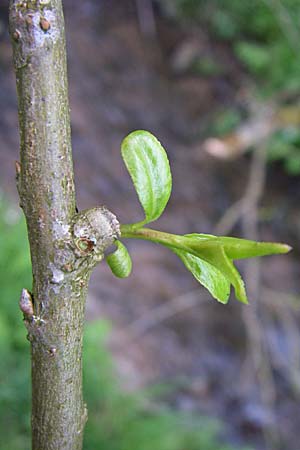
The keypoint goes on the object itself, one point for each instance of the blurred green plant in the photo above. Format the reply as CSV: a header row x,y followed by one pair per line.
x,y
122,421
117,420
264,34
265,37
15,273
225,121
206,66
284,146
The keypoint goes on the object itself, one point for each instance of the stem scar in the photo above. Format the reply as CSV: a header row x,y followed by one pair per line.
x,y
44,24
16,35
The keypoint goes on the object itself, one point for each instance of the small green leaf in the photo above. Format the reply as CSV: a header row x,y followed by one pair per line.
x,y
212,252
120,261
220,251
148,166
236,248
210,277
210,258
217,257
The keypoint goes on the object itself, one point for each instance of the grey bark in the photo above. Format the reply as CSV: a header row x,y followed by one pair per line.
x,y
64,245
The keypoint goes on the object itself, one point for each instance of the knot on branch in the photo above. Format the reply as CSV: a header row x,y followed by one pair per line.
x,y
93,231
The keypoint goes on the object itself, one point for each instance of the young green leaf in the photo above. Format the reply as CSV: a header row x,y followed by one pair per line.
x,y
213,253
209,258
216,256
204,249
220,251
120,261
210,277
236,248
148,166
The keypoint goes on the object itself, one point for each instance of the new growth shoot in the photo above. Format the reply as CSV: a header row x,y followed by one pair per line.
x,y
209,258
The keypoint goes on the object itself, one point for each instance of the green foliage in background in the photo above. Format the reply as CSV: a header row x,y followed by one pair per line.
x,y
264,34
225,121
122,421
117,420
15,274
284,146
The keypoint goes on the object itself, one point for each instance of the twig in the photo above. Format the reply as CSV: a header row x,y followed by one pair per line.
x,y
256,338
246,206
146,18
162,313
280,299
289,363
247,209
232,216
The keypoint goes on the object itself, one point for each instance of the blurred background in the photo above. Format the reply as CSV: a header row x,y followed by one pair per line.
x,y
166,366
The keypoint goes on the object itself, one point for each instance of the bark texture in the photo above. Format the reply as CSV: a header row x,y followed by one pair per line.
x,y
64,245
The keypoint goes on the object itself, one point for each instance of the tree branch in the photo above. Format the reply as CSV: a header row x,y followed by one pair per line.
x,y
64,245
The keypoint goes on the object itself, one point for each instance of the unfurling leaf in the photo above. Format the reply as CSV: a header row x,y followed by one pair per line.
x,y
216,256
209,258
236,248
210,277
120,261
211,252
148,166
220,252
